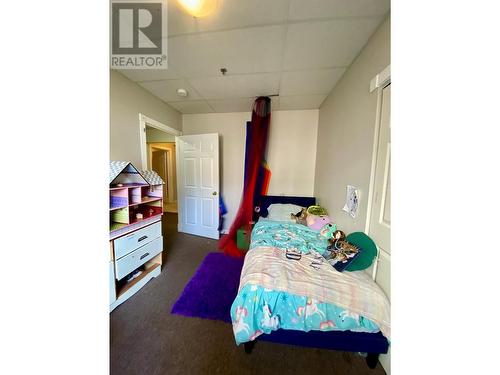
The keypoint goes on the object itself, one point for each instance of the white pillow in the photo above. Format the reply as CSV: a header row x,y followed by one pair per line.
x,y
281,211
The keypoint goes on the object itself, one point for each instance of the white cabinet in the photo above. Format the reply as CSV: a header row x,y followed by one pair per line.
x,y
148,256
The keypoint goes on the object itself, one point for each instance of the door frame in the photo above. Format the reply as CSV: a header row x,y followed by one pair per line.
x,y
143,121
379,82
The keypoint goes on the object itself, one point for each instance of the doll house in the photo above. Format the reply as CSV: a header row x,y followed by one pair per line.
x,y
135,231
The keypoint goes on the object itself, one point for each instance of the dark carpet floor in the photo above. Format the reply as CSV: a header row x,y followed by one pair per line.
x,y
146,338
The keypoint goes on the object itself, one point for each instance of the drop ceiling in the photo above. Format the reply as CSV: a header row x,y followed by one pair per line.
x,y
298,49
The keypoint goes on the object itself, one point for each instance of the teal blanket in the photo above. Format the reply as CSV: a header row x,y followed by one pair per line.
x,y
287,236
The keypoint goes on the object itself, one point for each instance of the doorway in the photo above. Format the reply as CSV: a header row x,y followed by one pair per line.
x,y
158,153
161,159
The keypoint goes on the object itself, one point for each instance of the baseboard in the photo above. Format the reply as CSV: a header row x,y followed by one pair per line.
x,y
209,233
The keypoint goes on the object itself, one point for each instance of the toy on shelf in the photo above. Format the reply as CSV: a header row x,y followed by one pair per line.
x,y
134,196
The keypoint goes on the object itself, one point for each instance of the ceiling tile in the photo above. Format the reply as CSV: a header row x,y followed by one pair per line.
x,y
275,103
150,74
247,85
263,53
167,90
309,81
326,43
232,105
230,14
193,106
239,104
301,102
300,9
240,51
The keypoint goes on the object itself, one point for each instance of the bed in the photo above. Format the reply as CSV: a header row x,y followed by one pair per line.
x,y
298,300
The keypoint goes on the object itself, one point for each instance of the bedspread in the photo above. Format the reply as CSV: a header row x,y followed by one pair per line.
x,y
306,294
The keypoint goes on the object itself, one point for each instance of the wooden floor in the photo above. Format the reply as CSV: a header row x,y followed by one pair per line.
x,y
146,339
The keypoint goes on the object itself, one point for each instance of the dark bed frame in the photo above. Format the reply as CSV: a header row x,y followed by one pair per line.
x,y
371,343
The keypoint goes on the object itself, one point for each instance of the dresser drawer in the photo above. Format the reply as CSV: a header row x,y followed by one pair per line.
x,y
128,243
130,262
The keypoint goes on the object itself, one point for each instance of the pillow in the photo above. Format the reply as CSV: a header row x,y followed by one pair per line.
x,y
368,251
341,254
282,211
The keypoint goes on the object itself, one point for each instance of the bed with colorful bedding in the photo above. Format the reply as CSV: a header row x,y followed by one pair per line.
x,y
289,294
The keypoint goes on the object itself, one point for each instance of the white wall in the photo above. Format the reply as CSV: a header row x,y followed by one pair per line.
x,y
346,128
127,100
291,152
345,132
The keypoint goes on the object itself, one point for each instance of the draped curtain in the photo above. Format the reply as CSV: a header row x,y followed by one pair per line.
x,y
256,173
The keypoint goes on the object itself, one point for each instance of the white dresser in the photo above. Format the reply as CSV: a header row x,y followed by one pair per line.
x,y
142,247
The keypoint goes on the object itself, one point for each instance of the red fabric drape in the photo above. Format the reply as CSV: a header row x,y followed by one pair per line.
x,y
257,143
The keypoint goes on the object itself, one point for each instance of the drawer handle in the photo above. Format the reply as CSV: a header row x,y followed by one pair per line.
x,y
144,256
142,238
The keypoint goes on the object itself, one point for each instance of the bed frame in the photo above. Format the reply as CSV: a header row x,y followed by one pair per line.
x,y
371,343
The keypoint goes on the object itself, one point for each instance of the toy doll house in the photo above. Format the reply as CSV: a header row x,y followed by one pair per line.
x,y
135,232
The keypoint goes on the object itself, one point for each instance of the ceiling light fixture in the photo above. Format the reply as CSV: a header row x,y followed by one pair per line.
x,y
199,8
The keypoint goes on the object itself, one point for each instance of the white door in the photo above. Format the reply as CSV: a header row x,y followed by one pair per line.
x,y
198,184
380,216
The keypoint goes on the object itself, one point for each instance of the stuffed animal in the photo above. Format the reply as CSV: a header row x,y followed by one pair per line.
x,y
300,217
328,230
343,251
317,210
341,254
338,235
317,223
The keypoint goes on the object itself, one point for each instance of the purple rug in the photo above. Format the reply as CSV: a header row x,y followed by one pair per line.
x,y
212,290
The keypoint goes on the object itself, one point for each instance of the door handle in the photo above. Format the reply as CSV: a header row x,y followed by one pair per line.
x,y
214,193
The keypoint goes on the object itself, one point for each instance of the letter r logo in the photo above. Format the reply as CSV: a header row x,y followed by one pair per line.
x,y
136,28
